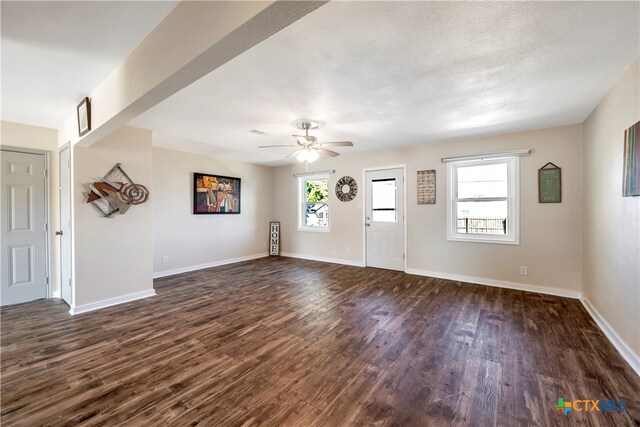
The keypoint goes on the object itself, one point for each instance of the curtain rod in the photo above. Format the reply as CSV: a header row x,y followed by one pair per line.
x,y
497,155
298,175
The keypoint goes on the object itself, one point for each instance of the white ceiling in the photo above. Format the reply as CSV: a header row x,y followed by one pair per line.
x,y
55,53
391,74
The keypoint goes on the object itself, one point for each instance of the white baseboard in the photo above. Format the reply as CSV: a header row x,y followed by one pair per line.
x,y
625,351
323,259
181,270
497,283
111,301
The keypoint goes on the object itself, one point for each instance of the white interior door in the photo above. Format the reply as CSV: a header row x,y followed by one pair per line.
x,y
24,222
384,218
64,231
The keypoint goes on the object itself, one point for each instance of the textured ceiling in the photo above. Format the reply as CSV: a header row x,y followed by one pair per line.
x,y
55,53
390,74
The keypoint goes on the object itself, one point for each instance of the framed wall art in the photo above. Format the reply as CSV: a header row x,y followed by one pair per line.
x,y
84,116
631,167
215,194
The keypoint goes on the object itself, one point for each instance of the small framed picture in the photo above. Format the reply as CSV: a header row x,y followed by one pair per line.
x,y
84,116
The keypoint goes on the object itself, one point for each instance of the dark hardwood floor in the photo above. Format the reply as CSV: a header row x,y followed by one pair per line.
x,y
284,342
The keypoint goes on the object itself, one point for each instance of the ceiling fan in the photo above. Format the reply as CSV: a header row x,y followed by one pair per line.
x,y
308,149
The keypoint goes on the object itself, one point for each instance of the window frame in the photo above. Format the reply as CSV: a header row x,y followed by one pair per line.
x,y
513,202
302,203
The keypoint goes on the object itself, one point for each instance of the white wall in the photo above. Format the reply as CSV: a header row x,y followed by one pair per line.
x,y
191,240
113,255
550,234
611,262
39,138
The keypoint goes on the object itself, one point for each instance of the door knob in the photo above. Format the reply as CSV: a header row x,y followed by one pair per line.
x,y
58,233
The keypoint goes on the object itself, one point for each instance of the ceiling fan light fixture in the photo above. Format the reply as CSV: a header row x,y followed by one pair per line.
x,y
302,156
307,155
312,156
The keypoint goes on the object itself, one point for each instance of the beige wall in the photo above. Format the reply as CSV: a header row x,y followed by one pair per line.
x,y
611,262
113,255
550,234
39,138
190,240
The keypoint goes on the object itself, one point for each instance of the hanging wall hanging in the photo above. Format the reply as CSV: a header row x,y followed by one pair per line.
x,y
549,184
115,193
427,187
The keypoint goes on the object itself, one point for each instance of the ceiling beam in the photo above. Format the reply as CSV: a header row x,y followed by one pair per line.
x,y
194,39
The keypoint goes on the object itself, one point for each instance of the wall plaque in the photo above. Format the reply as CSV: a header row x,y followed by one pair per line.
x,y
549,184
427,187
274,238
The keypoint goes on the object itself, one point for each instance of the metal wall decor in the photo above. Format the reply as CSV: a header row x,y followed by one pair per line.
x,y
115,193
427,187
346,189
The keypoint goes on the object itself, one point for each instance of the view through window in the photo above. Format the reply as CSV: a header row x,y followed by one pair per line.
x,y
315,203
482,199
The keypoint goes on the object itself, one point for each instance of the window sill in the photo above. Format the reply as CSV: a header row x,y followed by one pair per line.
x,y
483,240
314,230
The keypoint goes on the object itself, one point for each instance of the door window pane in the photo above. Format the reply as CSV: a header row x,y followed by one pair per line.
x,y
383,200
383,194
384,216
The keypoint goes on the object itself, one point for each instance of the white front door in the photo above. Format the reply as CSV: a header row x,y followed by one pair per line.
x,y
24,234
384,218
64,231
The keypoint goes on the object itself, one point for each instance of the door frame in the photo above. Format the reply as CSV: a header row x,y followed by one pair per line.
x,y
364,209
47,204
72,252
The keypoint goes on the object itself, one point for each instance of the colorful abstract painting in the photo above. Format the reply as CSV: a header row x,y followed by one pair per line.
x,y
215,194
631,170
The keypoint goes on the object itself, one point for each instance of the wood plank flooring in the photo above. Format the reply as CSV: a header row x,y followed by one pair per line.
x,y
285,342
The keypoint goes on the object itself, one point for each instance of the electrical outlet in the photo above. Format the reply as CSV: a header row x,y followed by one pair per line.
x,y
264,244
524,270
165,259
348,251
333,251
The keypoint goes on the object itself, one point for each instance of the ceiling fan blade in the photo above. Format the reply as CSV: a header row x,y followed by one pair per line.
x,y
277,146
325,151
295,153
337,144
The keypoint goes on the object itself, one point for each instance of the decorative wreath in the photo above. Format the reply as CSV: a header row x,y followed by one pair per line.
x,y
346,189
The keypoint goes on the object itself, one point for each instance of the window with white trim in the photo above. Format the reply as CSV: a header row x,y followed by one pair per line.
x,y
313,206
483,200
